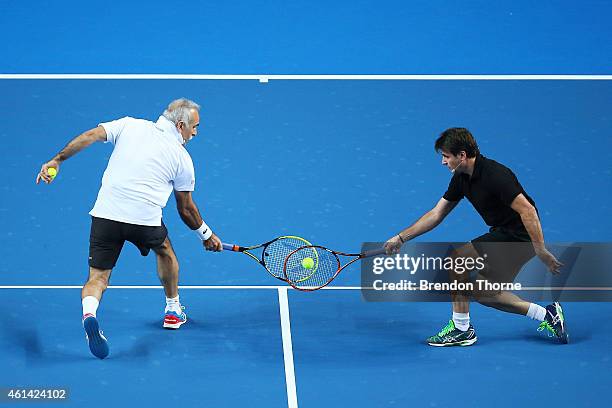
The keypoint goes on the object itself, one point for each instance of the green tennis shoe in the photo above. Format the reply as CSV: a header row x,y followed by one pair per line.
x,y
554,323
452,336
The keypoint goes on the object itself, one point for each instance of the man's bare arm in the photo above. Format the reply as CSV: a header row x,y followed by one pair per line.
x,y
531,221
80,142
188,210
427,222
77,144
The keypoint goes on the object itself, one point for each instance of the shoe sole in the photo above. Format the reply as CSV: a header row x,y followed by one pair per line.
x,y
462,343
97,344
174,326
564,337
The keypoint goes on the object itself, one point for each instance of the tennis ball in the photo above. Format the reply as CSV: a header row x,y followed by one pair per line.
x,y
52,171
308,263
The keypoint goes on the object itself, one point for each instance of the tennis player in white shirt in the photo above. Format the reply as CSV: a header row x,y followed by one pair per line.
x,y
148,162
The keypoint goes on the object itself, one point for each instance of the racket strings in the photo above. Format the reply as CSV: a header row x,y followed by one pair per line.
x,y
275,254
325,265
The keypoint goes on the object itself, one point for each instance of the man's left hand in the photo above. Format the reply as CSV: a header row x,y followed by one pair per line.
x,y
553,265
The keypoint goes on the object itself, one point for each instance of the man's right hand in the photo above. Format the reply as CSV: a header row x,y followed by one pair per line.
x,y
213,243
44,175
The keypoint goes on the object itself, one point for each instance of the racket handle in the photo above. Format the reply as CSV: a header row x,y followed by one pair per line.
x,y
374,252
228,247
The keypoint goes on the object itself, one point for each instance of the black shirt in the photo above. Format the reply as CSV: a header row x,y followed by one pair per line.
x,y
491,190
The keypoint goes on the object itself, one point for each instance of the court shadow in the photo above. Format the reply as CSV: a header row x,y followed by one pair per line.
x,y
29,342
530,335
139,350
158,325
543,338
152,337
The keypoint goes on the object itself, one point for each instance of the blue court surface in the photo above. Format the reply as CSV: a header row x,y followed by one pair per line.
x,y
338,162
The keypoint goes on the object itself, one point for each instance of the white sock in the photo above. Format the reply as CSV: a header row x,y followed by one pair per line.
x,y
173,304
461,320
90,305
536,312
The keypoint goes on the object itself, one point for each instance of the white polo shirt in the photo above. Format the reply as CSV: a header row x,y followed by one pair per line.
x,y
147,162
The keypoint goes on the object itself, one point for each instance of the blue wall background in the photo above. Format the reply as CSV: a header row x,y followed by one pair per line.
x,y
307,37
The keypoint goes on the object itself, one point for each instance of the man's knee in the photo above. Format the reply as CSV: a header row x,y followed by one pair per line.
x,y
489,298
165,250
461,266
465,251
99,277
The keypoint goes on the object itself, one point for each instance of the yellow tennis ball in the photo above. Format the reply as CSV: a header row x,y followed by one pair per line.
x,y
308,263
52,171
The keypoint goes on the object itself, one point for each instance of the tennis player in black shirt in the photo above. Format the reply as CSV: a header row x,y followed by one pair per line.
x,y
511,214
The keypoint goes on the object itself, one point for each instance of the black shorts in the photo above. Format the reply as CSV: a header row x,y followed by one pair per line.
x,y
507,251
107,237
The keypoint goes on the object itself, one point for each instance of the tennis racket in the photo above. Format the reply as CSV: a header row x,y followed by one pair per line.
x,y
273,253
313,267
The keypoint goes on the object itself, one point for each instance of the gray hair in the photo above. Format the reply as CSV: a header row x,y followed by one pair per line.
x,y
179,110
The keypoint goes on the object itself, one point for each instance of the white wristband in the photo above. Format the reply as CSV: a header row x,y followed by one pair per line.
x,y
204,232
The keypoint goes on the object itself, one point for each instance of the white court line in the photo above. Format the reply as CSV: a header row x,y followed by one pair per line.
x,y
283,303
263,78
578,288
251,287
138,287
